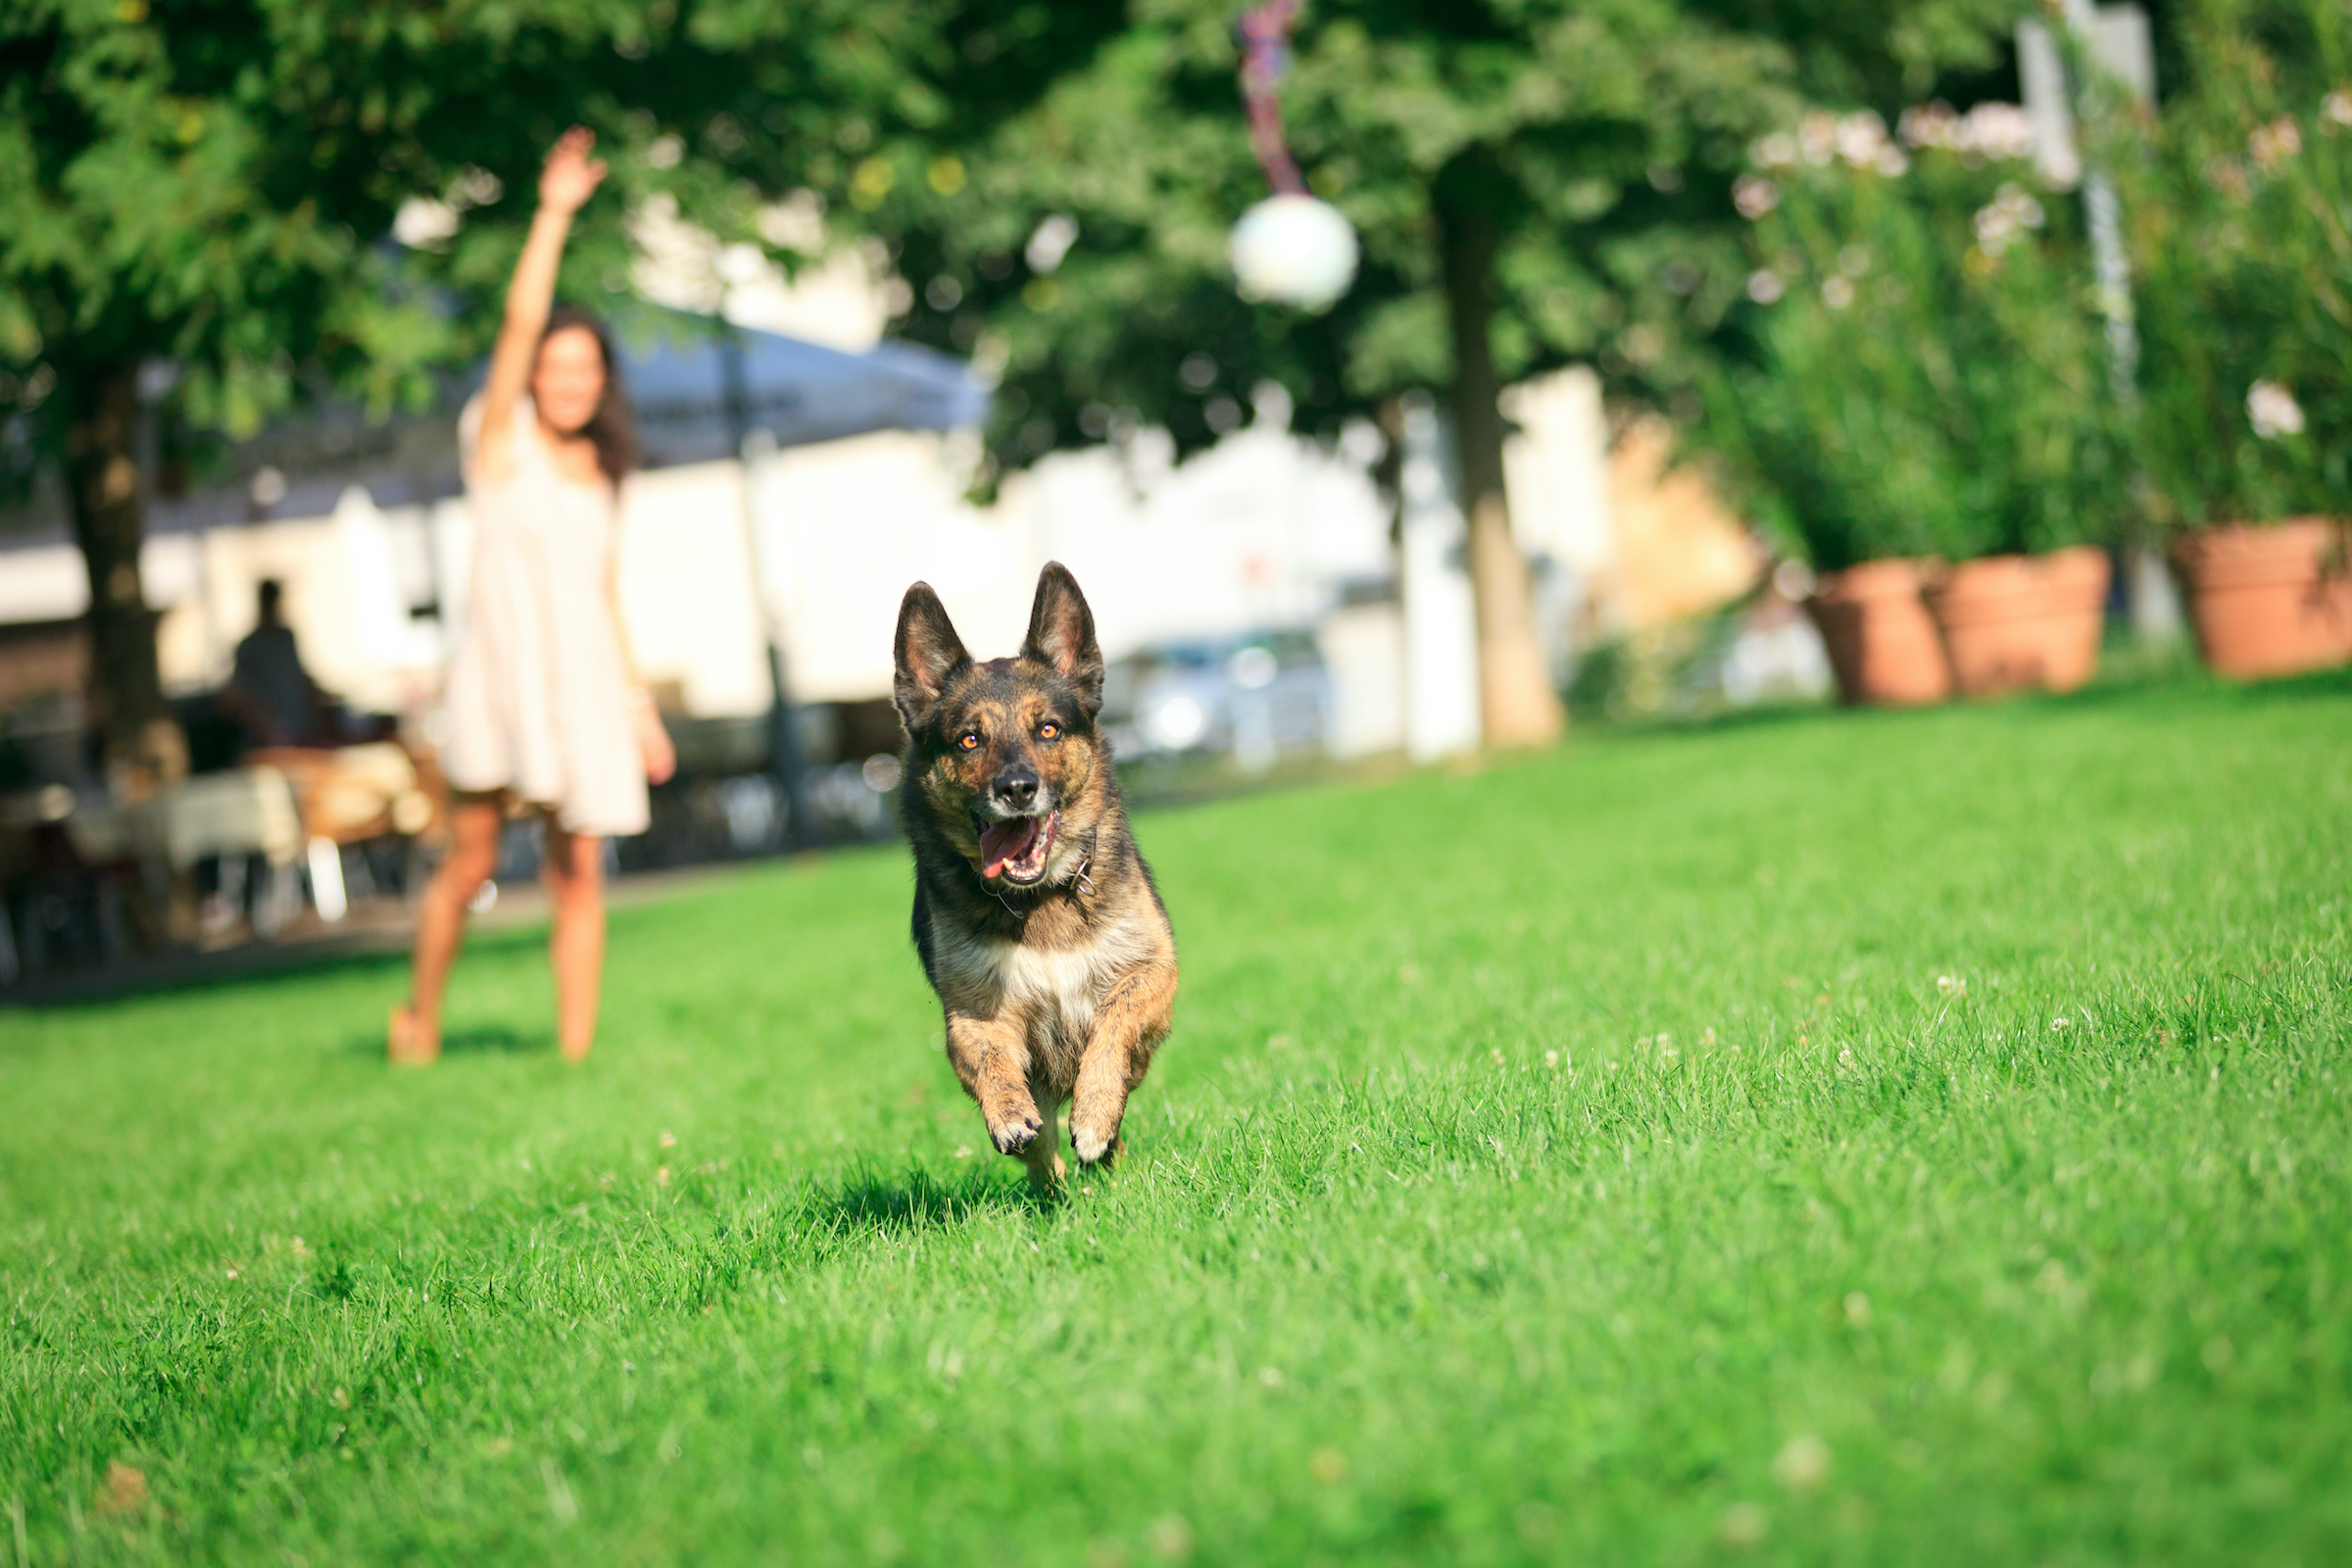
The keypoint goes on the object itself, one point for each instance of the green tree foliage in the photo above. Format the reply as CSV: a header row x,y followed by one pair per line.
x,y
1603,140
211,182
1930,369
2236,200
1534,182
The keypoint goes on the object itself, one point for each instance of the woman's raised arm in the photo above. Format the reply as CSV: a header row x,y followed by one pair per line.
x,y
568,179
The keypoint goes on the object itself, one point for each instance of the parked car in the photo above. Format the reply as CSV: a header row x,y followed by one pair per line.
x,y
1256,697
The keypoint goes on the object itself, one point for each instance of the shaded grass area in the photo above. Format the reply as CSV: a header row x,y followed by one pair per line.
x,y
1849,1139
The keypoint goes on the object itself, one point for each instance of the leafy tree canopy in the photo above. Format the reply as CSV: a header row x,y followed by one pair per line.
x,y
212,182
1599,142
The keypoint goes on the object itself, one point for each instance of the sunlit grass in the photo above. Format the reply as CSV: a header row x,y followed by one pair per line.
x,y
1911,1138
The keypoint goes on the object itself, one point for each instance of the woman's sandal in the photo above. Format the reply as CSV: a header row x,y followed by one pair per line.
x,y
403,1045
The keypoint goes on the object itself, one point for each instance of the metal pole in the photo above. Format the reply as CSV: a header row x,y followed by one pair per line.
x,y
2115,40
751,447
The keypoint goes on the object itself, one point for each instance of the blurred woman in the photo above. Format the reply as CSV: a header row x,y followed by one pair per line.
x,y
546,711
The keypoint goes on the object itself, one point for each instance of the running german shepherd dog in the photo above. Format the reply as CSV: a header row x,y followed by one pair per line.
x,y
1034,913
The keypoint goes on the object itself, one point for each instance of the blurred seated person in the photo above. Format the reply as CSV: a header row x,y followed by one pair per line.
x,y
271,697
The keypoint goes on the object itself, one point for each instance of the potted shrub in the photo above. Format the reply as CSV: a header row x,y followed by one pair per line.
x,y
2237,199
1927,386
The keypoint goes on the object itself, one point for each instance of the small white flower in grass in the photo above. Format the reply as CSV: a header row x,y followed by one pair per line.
x,y
301,1248
1951,985
1838,293
2059,1023
1764,285
2335,111
1743,1526
1552,1059
1893,162
232,1273
1496,1055
1755,196
1802,1464
962,1152
667,1140
2274,410
1171,1538
1846,1057
1777,151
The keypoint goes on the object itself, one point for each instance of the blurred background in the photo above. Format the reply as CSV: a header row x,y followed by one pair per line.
x,y
1398,379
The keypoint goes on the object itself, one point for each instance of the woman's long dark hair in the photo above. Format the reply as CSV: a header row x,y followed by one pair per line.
x,y
613,428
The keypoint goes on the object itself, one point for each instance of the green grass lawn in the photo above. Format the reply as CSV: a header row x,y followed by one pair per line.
x,y
1876,1139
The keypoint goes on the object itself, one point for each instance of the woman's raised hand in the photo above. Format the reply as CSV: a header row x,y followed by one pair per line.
x,y
571,176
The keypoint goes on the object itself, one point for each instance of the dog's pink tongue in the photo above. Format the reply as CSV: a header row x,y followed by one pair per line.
x,y
1005,841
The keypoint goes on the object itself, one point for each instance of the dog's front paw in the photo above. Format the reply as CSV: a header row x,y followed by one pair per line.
x,y
1015,1132
1094,1145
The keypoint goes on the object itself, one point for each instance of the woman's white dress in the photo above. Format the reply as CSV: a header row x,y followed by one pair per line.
x,y
538,696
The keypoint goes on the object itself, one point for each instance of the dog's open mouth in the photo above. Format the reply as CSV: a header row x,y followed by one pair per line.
x,y
1016,848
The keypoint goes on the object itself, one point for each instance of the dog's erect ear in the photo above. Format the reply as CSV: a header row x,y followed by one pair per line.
x,y
1061,634
928,653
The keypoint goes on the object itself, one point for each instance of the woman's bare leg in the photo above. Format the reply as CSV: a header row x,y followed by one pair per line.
x,y
574,871
441,927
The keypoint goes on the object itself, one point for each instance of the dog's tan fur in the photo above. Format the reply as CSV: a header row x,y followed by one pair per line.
x,y
1056,991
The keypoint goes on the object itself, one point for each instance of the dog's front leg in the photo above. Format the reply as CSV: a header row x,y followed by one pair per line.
x,y
992,1057
1131,1021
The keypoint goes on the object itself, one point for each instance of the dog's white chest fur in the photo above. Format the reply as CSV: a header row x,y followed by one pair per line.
x,y
1057,987
1054,990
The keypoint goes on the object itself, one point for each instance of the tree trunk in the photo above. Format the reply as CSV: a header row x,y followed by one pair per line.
x,y
142,748
1516,699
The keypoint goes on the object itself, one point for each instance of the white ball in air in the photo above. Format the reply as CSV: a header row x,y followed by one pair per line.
x,y
1293,250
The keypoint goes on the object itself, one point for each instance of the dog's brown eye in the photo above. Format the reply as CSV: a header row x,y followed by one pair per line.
x,y
969,740
1047,730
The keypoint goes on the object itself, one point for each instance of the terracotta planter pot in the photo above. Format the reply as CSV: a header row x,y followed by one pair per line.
x,y
2016,623
1881,644
2270,600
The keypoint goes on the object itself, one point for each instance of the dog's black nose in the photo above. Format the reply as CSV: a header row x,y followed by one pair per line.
x,y
1015,788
